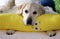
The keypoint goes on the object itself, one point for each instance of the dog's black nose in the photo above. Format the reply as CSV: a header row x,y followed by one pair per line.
x,y
29,21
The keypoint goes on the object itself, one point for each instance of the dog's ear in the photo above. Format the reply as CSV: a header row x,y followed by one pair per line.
x,y
42,11
20,8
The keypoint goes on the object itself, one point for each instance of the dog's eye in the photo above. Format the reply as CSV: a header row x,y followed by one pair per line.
x,y
34,12
26,11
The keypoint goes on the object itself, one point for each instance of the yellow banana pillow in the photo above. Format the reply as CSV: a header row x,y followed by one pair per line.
x,y
44,23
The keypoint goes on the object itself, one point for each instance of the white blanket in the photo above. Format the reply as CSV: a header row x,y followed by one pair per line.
x,y
3,2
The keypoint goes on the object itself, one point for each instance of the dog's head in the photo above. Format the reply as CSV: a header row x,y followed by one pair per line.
x,y
30,11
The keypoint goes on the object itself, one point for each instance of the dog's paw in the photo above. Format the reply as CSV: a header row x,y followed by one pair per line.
x,y
10,32
51,33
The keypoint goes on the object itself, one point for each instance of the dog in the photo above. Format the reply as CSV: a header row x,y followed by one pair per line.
x,y
33,10
30,11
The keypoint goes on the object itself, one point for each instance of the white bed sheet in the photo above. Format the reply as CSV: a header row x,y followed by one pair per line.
x,y
28,35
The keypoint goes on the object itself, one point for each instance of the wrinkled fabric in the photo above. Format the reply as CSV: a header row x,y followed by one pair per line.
x,y
3,2
49,3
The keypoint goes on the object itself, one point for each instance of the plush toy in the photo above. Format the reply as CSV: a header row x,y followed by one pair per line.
x,y
43,23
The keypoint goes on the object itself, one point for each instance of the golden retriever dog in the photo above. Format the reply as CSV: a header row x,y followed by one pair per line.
x,y
32,10
29,9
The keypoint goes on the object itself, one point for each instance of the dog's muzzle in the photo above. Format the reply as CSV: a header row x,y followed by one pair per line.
x,y
29,21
